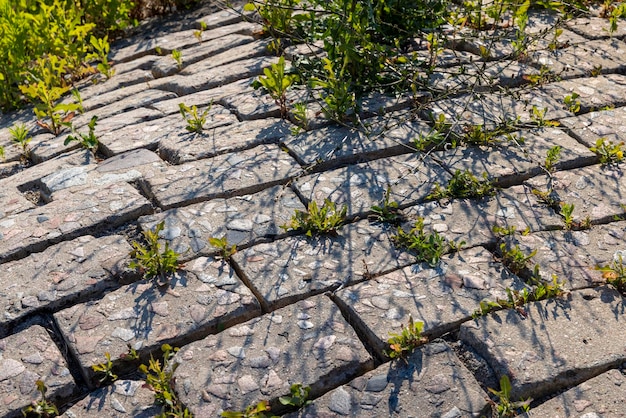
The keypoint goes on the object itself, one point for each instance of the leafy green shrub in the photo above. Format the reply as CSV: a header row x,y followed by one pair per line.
x,y
276,83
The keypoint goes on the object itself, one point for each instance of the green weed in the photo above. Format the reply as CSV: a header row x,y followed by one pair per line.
x,y
178,57
615,274
609,153
463,184
572,103
105,370
226,250
428,248
324,220
387,211
432,140
253,411
195,121
298,396
403,344
101,53
538,116
514,258
339,98
88,141
20,138
42,407
504,407
552,158
276,83
150,260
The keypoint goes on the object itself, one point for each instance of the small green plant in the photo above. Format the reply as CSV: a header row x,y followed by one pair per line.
x,y
403,344
150,260
225,249
195,121
130,355
88,141
1,152
432,140
20,138
300,118
477,135
178,57
503,231
160,379
253,411
298,396
504,407
323,220
428,248
463,184
572,102
42,407
552,158
276,83
567,210
538,116
609,153
514,258
101,53
619,11
339,101
615,273
387,211
105,370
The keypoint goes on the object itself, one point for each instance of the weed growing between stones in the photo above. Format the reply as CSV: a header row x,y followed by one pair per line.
x,y
504,407
259,410
226,250
387,211
276,82
567,212
403,344
552,158
572,103
178,57
324,220
514,258
149,259
609,153
21,139
43,407
298,397
88,141
195,121
101,53
615,273
105,370
463,184
428,248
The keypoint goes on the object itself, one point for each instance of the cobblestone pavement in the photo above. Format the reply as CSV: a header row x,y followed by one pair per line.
x,y
289,309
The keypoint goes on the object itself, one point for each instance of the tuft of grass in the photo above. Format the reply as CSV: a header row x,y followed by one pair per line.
x,y
150,260
463,184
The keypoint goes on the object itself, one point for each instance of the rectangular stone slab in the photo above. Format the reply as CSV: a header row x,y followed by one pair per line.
x,y
441,297
472,220
557,343
432,383
608,124
602,396
308,343
284,271
25,357
225,175
594,93
71,213
62,274
573,255
409,177
197,301
244,220
186,147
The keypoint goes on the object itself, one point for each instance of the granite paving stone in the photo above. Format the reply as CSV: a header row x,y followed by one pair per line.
x,y
26,357
233,53
95,101
308,343
431,383
222,176
62,274
148,134
408,177
598,193
442,297
71,213
608,124
480,76
144,63
223,17
243,220
124,398
121,81
13,201
601,396
472,220
287,270
593,92
224,139
204,298
595,28
573,255
214,77
516,157
556,343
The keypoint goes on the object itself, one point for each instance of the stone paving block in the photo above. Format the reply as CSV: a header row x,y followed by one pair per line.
x,y
478,76
248,50
95,101
573,255
491,110
308,343
252,105
287,270
225,175
409,177
595,27
149,134
244,220
431,383
124,398
223,17
117,82
472,220
442,297
12,202
602,396
165,66
607,124
71,213
143,63
26,357
62,274
597,192
579,60
202,299
593,92
557,343
510,162
235,137
214,77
